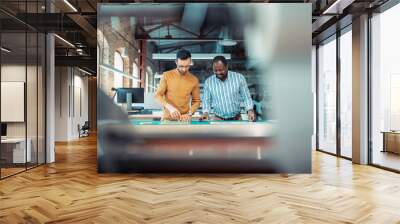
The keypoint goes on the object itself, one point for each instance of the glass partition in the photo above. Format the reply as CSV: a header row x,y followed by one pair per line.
x,y
15,149
22,64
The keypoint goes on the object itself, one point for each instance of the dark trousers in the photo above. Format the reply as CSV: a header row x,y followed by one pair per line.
x,y
235,118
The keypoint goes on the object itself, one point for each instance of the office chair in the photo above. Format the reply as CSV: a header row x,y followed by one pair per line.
x,y
84,130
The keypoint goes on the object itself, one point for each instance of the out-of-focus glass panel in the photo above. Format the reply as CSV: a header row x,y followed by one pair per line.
x,y
268,70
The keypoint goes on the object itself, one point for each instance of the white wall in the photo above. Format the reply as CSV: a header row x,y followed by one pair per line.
x,y
71,94
16,73
62,81
79,117
12,73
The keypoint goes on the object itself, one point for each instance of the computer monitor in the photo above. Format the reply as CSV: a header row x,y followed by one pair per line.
x,y
3,129
137,95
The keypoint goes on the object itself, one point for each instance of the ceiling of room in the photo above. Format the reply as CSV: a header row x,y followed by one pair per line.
x,y
196,28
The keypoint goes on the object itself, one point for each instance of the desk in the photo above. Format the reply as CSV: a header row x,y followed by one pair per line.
x,y
201,146
141,117
391,141
16,147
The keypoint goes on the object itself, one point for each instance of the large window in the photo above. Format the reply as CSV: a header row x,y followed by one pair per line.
x,y
135,75
327,96
334,138
385,83
346,93
119,65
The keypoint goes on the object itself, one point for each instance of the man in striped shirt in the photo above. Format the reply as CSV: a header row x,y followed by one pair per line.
x,y
224,91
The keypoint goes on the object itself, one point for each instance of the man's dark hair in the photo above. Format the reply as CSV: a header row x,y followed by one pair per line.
x,y
183,54
221,59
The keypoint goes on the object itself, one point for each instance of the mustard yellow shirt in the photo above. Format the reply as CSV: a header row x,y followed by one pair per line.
x,y
177,90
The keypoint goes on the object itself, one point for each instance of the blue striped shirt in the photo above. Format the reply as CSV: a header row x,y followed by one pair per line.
x,y
225,96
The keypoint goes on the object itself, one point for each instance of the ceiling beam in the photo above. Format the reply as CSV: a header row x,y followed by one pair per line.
x,y
85,61
86,26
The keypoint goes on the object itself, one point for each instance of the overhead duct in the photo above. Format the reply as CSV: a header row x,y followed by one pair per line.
x,y
193,16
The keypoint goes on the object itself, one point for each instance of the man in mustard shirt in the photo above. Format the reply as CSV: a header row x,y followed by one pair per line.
x,y
178,87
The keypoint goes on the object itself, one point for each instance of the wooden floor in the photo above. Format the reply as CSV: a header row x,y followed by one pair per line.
x,y
71,191
10,171
386,159
5,172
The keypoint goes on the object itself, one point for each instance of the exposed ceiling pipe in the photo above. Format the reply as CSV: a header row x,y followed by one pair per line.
x,y
65,41
337,7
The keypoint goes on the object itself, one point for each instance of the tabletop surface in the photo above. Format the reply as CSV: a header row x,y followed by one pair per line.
x,y
142,122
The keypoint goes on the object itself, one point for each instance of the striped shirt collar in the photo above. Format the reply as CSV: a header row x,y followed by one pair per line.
x,y
227,77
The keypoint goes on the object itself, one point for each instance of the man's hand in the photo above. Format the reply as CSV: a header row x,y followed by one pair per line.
x,y
251,115
204,117
173,112
186,117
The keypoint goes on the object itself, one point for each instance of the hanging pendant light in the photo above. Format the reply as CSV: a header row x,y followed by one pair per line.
x,y
226,38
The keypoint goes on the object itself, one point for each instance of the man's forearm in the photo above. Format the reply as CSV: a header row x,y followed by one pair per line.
x,y
194,107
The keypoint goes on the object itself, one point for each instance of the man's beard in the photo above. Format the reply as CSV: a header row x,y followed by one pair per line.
x,y
221,76
182,73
